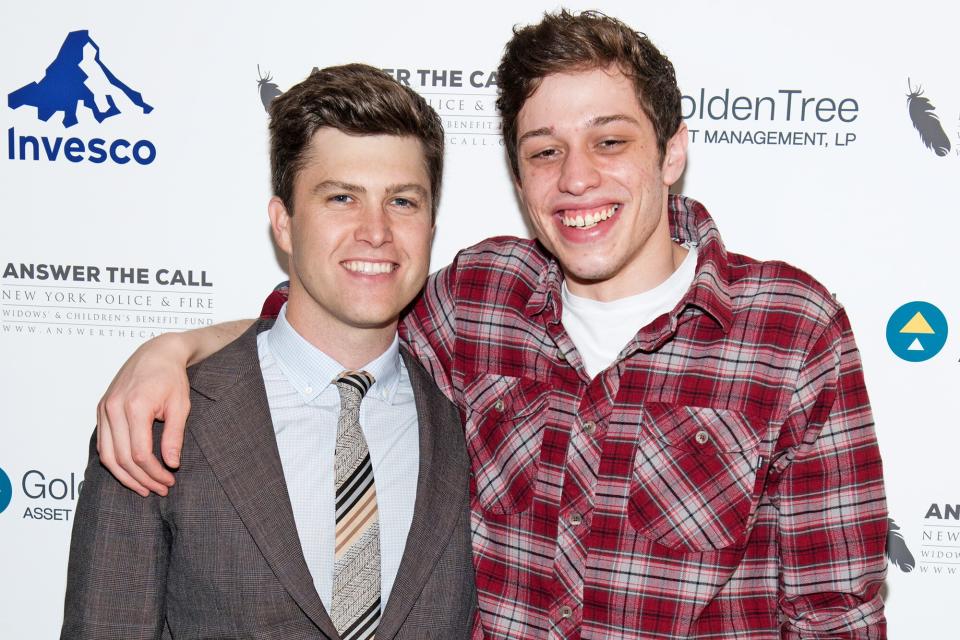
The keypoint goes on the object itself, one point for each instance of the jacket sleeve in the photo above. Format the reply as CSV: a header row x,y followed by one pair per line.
x,y
119,552
833,516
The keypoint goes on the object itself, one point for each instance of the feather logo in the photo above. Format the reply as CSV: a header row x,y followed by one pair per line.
x,y
897,551
268,90
925,121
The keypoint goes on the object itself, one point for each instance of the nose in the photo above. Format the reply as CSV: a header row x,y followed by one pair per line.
x,y
578,173
374,226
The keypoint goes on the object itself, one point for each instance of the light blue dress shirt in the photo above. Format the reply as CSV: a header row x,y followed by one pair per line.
x,y
304,406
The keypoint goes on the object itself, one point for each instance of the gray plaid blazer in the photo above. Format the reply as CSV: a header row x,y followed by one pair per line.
x,y
219,557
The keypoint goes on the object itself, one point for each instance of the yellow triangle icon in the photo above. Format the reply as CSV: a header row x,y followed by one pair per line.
x,y
917,324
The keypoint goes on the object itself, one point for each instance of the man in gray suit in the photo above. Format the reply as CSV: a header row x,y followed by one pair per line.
x,y
311,502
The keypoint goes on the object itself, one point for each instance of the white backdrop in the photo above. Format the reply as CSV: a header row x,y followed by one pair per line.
x,y
854,197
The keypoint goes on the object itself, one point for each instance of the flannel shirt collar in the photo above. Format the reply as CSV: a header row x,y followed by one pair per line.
x,y
690,223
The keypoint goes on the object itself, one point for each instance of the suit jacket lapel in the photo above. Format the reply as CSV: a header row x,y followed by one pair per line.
x,y
230,422
442,487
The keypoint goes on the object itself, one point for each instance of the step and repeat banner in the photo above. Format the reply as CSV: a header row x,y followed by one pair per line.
x,y
134,172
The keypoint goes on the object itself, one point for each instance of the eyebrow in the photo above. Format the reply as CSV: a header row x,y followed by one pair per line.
x,y
356,188
542,131
409,186
599,121
336,184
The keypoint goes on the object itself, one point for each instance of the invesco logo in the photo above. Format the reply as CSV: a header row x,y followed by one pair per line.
x,y
78,81
6,490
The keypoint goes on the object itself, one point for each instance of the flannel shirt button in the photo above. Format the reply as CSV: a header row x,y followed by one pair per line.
x,y
589,427
702,437
498,405
561,355
576,519
565,611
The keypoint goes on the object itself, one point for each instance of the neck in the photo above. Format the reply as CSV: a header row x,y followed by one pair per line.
x,y
660,257
353,347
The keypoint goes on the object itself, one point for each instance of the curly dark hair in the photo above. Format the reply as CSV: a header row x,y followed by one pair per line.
x,y
565,42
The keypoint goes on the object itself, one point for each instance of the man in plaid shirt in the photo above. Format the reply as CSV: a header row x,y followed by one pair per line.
x,y
668,440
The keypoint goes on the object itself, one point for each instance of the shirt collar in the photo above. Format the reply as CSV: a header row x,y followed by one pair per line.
x,y
311,371
690,223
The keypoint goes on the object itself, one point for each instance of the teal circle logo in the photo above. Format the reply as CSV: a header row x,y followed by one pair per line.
x,y
6,490
917,331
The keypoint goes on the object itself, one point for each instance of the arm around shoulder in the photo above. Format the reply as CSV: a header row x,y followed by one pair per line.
x,y
152,385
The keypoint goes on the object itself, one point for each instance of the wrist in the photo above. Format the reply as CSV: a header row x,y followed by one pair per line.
x,y
176,346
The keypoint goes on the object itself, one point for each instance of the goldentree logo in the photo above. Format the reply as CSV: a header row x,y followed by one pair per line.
x,y
6,490
917,331
78,78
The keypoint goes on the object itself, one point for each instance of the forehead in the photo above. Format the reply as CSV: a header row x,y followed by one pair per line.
x,y
369,160
571,98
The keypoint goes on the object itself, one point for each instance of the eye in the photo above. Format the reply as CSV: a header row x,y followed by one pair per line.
x,y
406,203
341,198
545,154
609,144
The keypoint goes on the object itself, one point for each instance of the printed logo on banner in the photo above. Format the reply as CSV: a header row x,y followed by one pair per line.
x,y
897,551
78,81
84,301
267,88
50,497
916,331
463,98
785,117
6,490
933,133
940,540
925,121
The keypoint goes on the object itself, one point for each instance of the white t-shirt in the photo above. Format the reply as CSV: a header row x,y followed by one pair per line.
x,y
600,330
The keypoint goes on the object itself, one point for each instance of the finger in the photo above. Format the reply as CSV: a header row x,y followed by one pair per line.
x,y
120,434
107,457
140,432
171,441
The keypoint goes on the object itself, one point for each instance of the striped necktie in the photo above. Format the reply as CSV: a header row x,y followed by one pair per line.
x,y
356,572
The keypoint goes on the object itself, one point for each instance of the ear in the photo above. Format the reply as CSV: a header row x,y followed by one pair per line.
x,y
675,156
280,222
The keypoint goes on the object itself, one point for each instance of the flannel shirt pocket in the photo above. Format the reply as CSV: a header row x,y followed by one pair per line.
x,y
694,482
504,430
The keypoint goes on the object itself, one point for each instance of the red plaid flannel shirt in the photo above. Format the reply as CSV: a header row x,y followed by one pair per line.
x,y
720,480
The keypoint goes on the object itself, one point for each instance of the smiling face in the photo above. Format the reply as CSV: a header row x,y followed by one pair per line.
x,y
358,237
594,184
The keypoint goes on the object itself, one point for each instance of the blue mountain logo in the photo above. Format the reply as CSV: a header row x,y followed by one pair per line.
x,y
77,76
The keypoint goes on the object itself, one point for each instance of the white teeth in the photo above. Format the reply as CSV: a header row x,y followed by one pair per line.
x,y
368,268
590,219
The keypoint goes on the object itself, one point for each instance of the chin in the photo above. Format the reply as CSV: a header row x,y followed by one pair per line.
x,y
375,321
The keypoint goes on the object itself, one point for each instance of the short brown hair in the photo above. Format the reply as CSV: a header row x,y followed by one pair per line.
x,y
565,42
357,99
